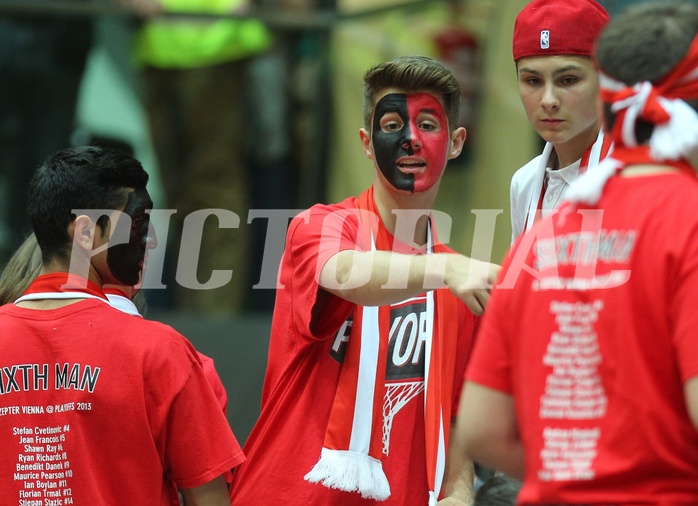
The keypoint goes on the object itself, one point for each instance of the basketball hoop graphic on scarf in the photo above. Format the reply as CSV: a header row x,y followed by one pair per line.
x,y
396,396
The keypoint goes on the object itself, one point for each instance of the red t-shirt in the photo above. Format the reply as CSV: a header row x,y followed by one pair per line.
x,y
99,407
214,380
303,373
597,369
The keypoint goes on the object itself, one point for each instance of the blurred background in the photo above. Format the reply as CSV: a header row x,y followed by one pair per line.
x,y
246,108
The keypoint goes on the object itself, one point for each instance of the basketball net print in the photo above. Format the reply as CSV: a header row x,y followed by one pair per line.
x,y
404,376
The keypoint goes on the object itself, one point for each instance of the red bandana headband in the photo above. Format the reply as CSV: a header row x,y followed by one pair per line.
x,y
661,104
675,134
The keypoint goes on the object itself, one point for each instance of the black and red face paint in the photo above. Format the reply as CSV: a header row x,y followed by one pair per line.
x,y
410,140
125,260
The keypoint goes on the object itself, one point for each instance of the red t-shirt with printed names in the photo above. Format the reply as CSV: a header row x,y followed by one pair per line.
x,y
303,373
597,370
98,407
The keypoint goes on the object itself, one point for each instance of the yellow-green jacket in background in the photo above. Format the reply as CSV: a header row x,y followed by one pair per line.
x,y
181,43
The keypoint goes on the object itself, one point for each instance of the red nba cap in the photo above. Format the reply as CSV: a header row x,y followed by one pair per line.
x,y
555,27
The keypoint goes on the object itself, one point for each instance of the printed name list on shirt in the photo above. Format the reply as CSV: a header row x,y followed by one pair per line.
x,y
43,470
573,391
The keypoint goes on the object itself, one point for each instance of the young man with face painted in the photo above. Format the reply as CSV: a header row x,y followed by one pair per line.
x,y
558,85
98,406
371,331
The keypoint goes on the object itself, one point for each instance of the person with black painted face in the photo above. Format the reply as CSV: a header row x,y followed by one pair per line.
x,y
97,406
373,322
409,134
126,259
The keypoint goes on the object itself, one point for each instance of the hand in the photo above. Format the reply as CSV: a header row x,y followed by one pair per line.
x,y
471,281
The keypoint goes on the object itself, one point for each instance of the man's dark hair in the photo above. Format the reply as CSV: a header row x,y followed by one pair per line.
x,y
86,177
643,43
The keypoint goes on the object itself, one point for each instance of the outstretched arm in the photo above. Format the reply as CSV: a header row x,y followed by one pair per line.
x,y
374,278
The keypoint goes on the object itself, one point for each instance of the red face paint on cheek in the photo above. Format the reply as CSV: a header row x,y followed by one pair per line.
x,y
430,138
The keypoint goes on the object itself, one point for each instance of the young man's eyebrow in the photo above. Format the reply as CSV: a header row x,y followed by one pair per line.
x,y
528,70
561,70
567,68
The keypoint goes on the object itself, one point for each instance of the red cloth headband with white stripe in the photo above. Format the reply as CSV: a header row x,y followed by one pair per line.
x,y
675,134
661,104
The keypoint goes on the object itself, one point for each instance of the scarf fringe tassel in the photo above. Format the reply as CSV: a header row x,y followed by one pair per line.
x,y
351,472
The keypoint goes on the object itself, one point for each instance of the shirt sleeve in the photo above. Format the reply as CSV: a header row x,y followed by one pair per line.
x,y
214,380
200,444
314,237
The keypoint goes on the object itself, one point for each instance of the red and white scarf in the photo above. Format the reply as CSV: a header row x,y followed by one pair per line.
x,y
675,133
351,456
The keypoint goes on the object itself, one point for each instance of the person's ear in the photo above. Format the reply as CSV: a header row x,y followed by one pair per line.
x,y
457,142
365,137
83,232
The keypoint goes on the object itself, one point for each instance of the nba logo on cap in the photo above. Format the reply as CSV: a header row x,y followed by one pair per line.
x,y
539,18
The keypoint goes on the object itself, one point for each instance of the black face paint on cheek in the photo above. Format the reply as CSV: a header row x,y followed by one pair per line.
x,y
389,146
125,260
